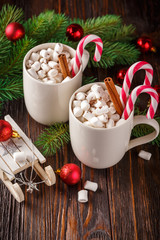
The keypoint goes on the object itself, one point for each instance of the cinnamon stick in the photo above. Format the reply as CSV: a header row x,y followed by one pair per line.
x,y
64,65
114,95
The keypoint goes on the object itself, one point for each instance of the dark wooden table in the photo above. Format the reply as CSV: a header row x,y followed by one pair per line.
x,y
127,204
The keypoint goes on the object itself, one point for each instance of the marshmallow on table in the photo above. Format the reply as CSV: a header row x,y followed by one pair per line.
x,y
145,155
77,111
83,196
80,96
19,157
33,73
93,186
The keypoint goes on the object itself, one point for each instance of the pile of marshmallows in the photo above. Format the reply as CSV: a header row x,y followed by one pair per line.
x,y
44,65
95,108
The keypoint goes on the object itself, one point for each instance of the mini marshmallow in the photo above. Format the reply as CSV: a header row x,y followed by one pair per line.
x,y
72,61
100,103
87,123
69,67
29,63
66,79
55,56
100,111
145,155
77,111
59,77
91,96
85,105
45,67
83,196
34,57
103,118
41,73
87,115
110,123
33,73
52,73
105,96
81,119
112,110
50,51
43,60
58,47
80,96
121,121
93,186
66,53
44,53
36,66
19,157
45,79
52,64
115,117
51,81
96,122
76,103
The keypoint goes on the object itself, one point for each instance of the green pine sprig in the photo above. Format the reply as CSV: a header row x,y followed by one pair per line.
x,y
53,138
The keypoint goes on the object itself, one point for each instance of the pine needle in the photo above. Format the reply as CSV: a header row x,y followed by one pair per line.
x,y
53,138
87,80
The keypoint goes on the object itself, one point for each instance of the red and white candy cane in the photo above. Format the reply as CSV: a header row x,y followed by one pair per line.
x,y
80,48
129,77
133,96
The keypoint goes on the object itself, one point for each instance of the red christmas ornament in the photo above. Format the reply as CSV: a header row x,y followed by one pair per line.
x,y
14,31
74,32
145,44
5,131
120,76
70,173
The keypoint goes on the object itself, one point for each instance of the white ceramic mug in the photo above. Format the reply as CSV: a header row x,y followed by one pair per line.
x,y
101,147
48,103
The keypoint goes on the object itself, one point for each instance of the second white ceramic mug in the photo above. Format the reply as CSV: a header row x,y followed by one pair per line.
x,y
101,147
46,103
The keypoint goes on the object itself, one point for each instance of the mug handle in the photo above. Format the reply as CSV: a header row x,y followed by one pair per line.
x,y
85,59
149,137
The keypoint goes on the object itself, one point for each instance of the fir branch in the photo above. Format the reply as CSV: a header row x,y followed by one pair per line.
x,y
9,14
13,65
46,26
87,80
11,89
53,138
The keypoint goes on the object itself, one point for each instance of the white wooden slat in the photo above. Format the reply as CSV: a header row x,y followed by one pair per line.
x,y
8,118
24,148
11,148
8,158
4,167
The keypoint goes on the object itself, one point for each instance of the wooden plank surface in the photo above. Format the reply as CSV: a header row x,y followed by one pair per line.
x,y
127,204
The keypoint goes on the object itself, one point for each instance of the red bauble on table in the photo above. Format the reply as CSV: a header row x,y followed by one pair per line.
x,y
120,76
70,173
74,32
14,31
145,44
5,131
